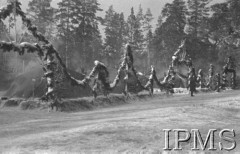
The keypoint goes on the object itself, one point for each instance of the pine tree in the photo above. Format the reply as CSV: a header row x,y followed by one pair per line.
x,y
199,23
122,32
42,15
131,26
198,17
114,32
139,30
88,26
65,29
170,30
140,18
134,31
224,30
78,27
147,28
149,46
175,21
148,17
111,34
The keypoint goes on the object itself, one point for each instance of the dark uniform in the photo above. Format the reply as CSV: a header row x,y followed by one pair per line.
x,y
168,82
192,84
191,74
218,84
192,71
230,63
231,68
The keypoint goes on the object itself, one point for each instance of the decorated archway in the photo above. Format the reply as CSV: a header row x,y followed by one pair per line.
x,y
45,50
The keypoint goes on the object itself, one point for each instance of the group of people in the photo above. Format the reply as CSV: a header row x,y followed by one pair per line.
x,y
215,82
229,67
101,74
180,57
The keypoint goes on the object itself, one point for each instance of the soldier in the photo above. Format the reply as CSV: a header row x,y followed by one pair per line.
x,y
210,74
231,68
224,81
192,84
230,63
192,71
218,82
168,82
224,76
192,74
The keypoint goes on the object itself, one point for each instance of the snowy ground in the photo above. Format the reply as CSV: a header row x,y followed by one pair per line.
x,y
136,127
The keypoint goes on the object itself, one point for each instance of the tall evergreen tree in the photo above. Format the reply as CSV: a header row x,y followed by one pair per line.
x,y
115,34
225,30
65,29
139,30
198,16
134,31
122,31
111,33
170,32
78,27
140,18
131,20
42,15
147,27
147,24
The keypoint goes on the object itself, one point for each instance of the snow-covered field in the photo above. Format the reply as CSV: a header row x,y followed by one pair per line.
x,y
135,127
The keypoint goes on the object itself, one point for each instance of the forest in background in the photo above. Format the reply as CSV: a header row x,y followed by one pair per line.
x,y
211,32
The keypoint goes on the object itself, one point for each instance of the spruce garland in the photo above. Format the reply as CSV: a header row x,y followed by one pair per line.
x,y
45,52
48,47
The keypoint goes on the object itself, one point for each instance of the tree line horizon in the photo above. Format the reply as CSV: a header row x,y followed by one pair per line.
x,y
74,28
